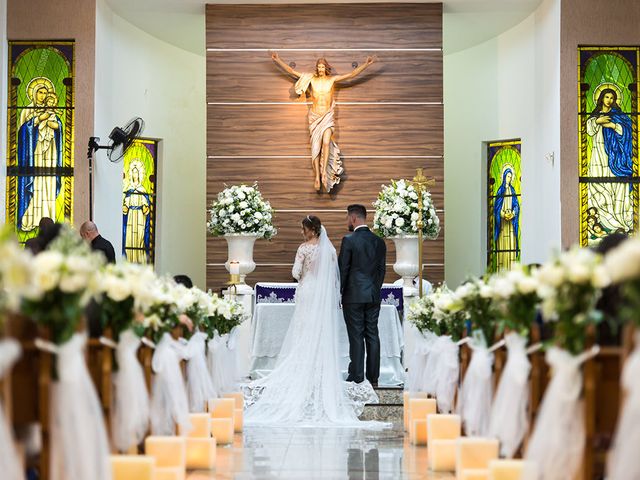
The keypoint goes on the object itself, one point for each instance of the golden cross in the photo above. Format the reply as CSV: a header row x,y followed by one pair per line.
x,y
420,183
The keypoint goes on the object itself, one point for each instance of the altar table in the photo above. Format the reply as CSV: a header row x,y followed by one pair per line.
x,y
271,321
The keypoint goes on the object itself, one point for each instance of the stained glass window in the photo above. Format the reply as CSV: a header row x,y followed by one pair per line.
x,y
40,141
504,179
608,141
139,201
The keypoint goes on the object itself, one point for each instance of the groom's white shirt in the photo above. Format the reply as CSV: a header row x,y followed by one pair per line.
x,y
359,226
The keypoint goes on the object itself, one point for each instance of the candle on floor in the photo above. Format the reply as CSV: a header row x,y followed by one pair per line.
x,y
237,396
475,453
222,430
442,455
418,433
222,407
512,470
201,453
170,473
132,467
474,474
238,420
419,408
406,396
443,427
200,426
168,451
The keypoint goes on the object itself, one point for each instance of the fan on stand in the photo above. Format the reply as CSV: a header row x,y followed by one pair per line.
x,y
121,140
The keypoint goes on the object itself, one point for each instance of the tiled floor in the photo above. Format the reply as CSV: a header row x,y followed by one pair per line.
x,y
320,453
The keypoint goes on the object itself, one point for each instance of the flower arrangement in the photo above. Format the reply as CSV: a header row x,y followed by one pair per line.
x,y
240,209
569,288
435,313
623,265
396,212
515,298
475,298
224,315
62,281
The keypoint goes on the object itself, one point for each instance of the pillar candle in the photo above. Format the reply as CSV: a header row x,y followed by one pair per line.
x,y
222,430
443,427
419,408
418,433
222,407
406,396
132,467
442,455
168,451
475,453
512,470
201,453
170,473
475,474
237,396
238,420
200,426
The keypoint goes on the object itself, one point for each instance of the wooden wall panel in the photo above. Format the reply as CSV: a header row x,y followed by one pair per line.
x,y
397,76
288,182
361,129
388,122
217,275
355,26
284,245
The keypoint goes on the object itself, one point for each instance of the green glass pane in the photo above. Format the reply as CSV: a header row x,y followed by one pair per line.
x,y
607,68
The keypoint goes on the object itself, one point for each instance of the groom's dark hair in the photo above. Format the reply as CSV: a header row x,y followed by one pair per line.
x,y
358,210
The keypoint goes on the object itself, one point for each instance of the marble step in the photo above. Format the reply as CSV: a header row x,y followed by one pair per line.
x,y
389,395
382,413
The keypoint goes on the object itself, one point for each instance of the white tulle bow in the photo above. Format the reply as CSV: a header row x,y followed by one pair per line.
x,y
130,418
79,445
417,360
9,461
623,460
169,405
199,385
446,370
474,403
221,364
509,420
557,442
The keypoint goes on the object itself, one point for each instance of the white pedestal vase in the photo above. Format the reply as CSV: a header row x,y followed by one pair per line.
x,y
407,265
240,249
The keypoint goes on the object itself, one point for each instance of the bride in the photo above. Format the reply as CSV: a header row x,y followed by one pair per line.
x,y
306,388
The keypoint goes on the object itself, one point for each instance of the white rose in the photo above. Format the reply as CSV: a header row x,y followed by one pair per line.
x,y
551,274
600,277
116,289
414,216
486,291
527,285
579,273
73,283
222,212
243,205
400,222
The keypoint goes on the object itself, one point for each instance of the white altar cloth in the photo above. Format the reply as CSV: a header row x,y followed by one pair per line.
x,y
271,322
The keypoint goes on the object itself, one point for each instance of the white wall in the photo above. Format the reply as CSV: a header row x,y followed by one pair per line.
x,y
140,75
507,87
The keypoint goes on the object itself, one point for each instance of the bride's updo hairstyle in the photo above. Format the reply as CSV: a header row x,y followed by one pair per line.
x,y
312,224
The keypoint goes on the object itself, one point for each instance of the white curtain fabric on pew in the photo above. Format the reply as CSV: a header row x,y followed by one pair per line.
x,y
509,421
418,359
557,443
130,417
169,404
199,386
445,372
9,460
79,445
474,404
623,460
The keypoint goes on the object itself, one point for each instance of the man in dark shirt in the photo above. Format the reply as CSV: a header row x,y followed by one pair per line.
x,y
89,232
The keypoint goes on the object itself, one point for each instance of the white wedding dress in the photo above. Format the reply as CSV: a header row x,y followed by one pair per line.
x,y
307,388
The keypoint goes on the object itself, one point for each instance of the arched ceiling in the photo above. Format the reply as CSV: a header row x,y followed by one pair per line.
x,y
181,22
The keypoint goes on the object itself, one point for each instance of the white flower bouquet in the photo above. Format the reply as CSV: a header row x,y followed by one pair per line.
x,y
515,298
223,316
623,265
570,287
240,209
62,280
437,313
158,303
396,212
475,299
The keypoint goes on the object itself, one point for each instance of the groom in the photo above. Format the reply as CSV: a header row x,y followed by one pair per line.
x,y
362,267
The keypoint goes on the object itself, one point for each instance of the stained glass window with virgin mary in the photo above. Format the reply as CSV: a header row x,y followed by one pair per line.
x,y
608,139
40,121
504,204
138,201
